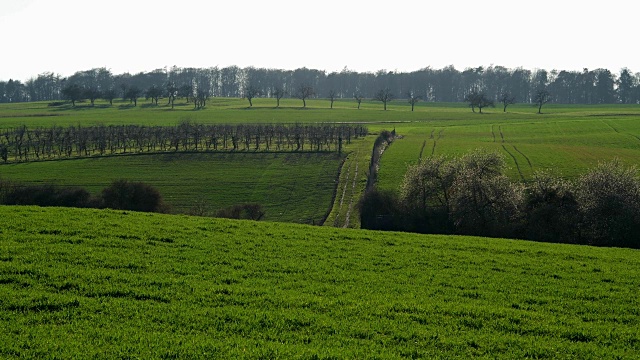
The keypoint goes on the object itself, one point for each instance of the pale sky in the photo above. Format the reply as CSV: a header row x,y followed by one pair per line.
x,y
65,36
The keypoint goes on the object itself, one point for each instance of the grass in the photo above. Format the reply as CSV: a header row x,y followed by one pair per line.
x,y
568,147
292,187
110,284
566,139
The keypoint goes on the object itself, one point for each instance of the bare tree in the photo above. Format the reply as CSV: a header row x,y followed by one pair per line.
x,y
279,93
172,92
385,96
412,99
332,96
202,95
542,97
250,92
304,92
479,100
507,99
358,98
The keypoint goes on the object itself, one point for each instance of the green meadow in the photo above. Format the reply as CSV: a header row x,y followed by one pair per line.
x,y
565,139
77,283
205,182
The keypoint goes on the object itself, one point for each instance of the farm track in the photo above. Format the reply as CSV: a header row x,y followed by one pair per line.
x,y
344,191
493,133
344,212
353,190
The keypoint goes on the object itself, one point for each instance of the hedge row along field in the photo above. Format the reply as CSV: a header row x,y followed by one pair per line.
x,y
78,283
26,144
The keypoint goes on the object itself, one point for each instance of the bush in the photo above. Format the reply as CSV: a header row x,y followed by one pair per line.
x,y
551,210
609,201
135,196
250,211
44,195
380,210
424,194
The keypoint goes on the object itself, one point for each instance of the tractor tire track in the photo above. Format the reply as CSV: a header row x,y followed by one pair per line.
x,y
525,156
617,131
611,126
515,160
435,141
493,133
424,143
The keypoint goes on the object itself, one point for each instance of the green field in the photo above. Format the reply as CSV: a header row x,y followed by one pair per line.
x,y
565,139
292,187
110,284
567,147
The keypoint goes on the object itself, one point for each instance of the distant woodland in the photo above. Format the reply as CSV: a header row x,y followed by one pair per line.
x,y
599,86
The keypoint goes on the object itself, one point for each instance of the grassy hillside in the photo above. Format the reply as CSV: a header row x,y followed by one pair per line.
x,y
107,284
292,187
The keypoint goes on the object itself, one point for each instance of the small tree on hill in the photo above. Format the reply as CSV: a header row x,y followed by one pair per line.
x,y
412,99
73,93
133,93
251,92
332,96
92,94
109,95
278,93
154,93
479,100
507,99
358,98
541,97
384,95
304,92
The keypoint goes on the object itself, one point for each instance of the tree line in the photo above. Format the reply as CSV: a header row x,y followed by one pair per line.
x,y
470,195
41,143
596,86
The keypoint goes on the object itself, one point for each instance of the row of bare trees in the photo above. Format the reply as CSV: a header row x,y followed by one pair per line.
x,y
23,144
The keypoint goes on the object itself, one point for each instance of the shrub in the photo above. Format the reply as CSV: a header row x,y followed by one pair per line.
x,y
135,196
483,201
250,211
551,210
44,195
424,193
380,210
609,201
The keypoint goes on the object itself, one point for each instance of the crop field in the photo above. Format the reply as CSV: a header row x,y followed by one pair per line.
x,y
77,283
292,187
565,139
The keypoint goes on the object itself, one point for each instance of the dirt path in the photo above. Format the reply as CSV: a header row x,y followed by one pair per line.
x,y
353,190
